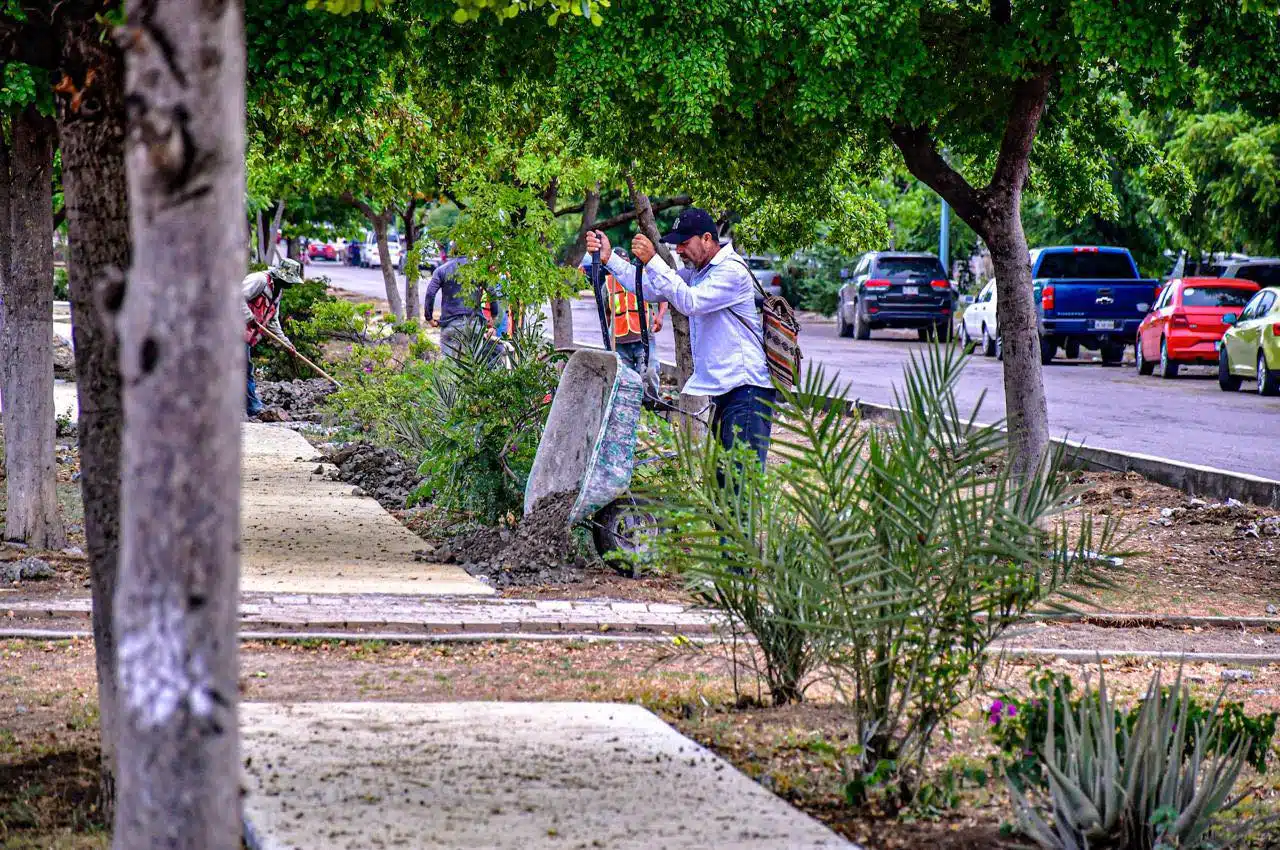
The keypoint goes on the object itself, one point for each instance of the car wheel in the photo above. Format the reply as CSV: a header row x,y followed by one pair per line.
x,y
842,327
1268,379
1227,382
988,343
861,328
1000,349
925,334
1048,348
1168,368
965,339
1112,355
1072,350
1144,366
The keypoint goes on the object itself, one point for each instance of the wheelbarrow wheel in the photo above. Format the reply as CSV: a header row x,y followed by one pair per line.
x,y
625,525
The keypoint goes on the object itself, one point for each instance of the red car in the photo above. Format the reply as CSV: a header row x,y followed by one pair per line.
x,y
322,251
1186,323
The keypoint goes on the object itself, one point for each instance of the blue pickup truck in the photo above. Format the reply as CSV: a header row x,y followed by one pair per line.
x,y
1090,298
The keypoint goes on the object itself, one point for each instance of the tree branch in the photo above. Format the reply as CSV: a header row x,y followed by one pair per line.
x,y
365,209
448,193
629,215
59,217
920,153
1014,162
1001,11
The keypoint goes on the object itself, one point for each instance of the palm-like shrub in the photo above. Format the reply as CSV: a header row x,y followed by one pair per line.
x,y
1133,789
896,557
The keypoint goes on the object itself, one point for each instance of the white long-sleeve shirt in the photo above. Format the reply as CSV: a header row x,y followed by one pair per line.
x,y
724,325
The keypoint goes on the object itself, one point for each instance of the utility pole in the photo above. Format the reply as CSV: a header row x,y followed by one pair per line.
x,y
944,238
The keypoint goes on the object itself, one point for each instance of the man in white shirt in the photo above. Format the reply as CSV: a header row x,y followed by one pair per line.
x,y
724,323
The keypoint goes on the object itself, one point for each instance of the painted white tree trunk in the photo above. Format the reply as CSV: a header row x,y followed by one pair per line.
x,y
182,362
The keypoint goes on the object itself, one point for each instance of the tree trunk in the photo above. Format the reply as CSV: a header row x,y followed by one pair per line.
x,y
182,364
380,222
91,126
273,246
679,321
562,308
995,214
260,237
1026,409
412,309
31,515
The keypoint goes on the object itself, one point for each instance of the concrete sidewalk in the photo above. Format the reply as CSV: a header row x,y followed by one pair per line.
x,y
499,776
304,534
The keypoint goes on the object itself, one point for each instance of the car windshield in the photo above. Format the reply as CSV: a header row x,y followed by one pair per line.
x,y
909,267
1215,296
1086,265
759,264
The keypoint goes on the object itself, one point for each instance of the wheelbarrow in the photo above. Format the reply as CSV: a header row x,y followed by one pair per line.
x,y
588,447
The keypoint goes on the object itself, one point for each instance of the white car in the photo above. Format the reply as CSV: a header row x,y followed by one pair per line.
x,y
979,321
369,256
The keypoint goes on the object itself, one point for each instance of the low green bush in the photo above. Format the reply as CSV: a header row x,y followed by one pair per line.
x,y
61,284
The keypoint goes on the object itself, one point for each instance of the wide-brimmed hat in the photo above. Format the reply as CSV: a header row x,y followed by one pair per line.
x,y
287,271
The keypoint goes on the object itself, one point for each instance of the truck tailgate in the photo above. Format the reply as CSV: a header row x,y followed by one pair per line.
x,y
1099,300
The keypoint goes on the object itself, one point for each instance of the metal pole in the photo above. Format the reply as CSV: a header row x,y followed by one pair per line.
x,y
944,238
597,283
644,314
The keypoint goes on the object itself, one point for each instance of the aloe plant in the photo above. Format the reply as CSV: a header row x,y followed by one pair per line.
x,y
1132,790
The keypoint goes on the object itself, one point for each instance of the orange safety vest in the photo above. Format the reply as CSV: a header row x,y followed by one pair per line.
x,y
626,312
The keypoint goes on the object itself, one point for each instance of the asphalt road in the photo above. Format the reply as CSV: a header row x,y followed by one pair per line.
x,y
1188,419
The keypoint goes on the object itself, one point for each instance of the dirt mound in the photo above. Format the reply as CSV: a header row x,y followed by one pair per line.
x,y
300,399
380,472
539,550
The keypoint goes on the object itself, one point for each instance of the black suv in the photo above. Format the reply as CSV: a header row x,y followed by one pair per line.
x,y
1264,271
897,290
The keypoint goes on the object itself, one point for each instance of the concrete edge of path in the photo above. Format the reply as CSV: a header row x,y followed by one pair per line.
x,y
1193,479
1083,655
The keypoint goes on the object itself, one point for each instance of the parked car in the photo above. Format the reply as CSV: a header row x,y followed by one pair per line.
x,y
1089,297
769,277
322,251
979,321
896,290
369,256
1264,271
1186,323
1250,349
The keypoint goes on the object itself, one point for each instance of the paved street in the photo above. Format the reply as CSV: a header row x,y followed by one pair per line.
x,y
1189,419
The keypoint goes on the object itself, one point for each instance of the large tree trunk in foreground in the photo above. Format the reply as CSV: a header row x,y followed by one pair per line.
x,y
995,214
31,514
91,124
182,361
412,308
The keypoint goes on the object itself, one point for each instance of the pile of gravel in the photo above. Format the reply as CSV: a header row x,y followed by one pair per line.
x,y
380,472
299,399
539,550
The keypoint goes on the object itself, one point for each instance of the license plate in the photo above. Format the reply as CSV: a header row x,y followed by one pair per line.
x,y
910,290
1104,325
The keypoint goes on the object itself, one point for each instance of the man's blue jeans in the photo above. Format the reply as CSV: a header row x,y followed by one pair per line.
x,y
744,413
252,404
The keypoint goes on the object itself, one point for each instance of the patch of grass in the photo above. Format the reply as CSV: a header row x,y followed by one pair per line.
x,y
53,801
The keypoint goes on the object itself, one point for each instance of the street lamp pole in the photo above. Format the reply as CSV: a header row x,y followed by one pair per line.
x,y
944,238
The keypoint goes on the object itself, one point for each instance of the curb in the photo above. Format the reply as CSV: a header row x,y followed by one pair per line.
x,y
1193,479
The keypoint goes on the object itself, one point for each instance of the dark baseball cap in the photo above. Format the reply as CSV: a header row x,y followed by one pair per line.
x,y
692,222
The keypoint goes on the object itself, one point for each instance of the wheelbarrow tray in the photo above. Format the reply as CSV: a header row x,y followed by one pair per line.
x,y
588,445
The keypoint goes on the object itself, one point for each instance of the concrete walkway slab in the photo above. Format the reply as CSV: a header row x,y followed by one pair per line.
x,y
499,776
302,533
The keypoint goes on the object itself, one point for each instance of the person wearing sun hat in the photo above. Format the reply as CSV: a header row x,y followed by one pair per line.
x,y
725,325
261,309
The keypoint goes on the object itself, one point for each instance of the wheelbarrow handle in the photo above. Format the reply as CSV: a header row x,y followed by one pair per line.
x,y
597,284
644,313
